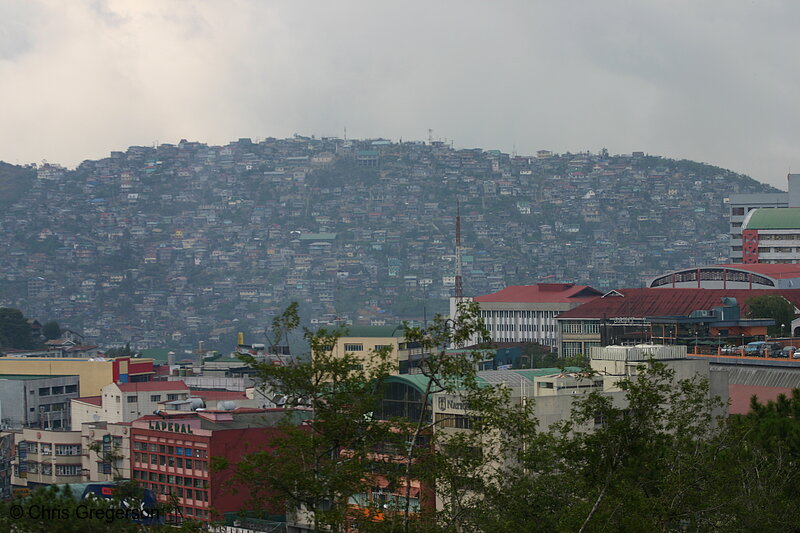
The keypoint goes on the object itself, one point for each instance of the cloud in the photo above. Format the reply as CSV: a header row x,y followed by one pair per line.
x,y
710,81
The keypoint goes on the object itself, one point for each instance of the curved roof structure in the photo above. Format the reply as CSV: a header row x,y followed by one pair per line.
x,y
772,218
738,276
512,378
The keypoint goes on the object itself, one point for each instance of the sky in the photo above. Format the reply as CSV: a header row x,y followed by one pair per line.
x,y
715,81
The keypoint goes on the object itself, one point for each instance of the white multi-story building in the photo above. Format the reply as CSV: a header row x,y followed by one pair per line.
x,y
771,236
741,204
527,313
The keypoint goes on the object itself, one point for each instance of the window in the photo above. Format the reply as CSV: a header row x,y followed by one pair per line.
x,y
47,449
133,399
353,347
69,389
44,391
57,390
155,397
173,397
68,449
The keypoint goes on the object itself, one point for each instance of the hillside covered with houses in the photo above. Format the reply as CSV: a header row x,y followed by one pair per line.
x,y
162,246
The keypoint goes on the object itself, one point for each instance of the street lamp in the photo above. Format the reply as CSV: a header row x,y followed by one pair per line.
x,y
782,326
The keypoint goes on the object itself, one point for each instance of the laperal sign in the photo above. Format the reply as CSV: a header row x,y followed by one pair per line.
x,y
173,427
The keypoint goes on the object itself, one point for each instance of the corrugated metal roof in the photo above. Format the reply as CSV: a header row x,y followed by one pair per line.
x,y
643,303
542,293
764,377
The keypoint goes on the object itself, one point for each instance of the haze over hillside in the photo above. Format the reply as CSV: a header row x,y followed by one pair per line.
x,y
182,242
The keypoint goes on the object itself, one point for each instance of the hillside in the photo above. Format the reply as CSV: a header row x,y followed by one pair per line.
x,y
164,246
15,181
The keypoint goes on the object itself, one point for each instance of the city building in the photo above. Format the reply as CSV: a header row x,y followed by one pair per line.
x,y
626,316
739,276
125,402
36,401
772,236
94,373
364,341
741,205
47,458
171,454
527,313
96,452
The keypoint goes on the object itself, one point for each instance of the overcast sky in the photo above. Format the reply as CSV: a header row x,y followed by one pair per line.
x,y
712,81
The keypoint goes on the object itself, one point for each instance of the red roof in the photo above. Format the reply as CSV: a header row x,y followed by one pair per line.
x,y
93,400
219,395
642,303
543,293
740,396
778,271
146,386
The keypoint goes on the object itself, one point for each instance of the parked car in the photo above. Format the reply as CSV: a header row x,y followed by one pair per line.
x,y
773,349
755,349
788,351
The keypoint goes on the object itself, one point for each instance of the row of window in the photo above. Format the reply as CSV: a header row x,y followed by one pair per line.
x,y
580,326
170,460
180,492
171,450
444,420
51,407
46,469
61,389
155,398
519,314
358,347
774,237
521,327
577,348
524,338
155,477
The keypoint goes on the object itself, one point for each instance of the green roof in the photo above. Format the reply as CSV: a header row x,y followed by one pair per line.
x,y
420,381
773,218
156,354
317,236
26,377
376,331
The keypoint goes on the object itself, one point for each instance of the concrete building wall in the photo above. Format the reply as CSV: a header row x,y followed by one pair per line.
x,y
37,401
93,374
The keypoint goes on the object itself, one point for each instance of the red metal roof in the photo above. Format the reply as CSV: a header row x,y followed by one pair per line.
x,y
219,395
543,293
778,271
152,386
642,303
93,400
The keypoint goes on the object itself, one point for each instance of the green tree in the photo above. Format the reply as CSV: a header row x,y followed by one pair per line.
x,y
775,307
51,330
15,332
328,436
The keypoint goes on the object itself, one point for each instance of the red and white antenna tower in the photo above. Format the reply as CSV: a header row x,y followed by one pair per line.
x,y
459,282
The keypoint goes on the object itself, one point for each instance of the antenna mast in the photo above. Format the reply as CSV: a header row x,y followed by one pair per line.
x,y
459,282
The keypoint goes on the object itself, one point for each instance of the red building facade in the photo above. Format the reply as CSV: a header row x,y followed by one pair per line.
x,y
171,455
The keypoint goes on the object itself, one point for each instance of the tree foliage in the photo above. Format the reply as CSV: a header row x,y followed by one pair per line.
x,y
15,332
51,330
655,455
774,307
